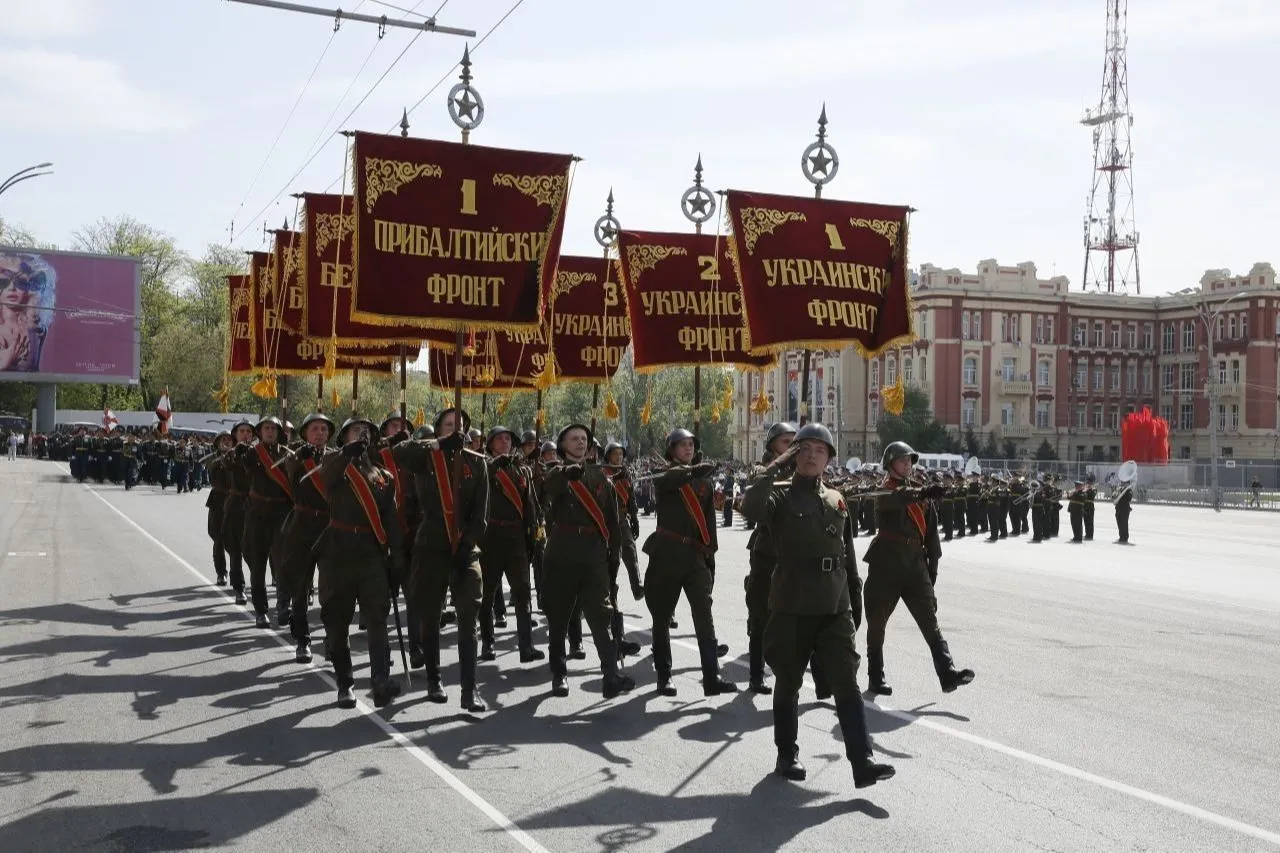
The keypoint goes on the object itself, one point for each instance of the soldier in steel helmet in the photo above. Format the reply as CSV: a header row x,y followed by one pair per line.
x,y
233,508
815,599
898,563
306,522
763,558
394,429
682,559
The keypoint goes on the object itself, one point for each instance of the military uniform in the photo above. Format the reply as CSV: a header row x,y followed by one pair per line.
x,y
452,485
620,477
681,559
215,503
763,558
1124,506
409,514
270,499
1090,494
1075,510
304,526
815,608
233,511
898,570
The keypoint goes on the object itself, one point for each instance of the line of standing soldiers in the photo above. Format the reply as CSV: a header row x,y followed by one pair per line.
x,y
125,459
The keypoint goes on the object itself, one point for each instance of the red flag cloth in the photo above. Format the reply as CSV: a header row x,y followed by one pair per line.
x,y
588,325
240,348
453,236
821,273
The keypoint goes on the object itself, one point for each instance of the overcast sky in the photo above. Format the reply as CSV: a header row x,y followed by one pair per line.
x,y
167,111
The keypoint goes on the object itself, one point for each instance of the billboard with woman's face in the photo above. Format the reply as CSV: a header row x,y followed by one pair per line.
x,y
68,317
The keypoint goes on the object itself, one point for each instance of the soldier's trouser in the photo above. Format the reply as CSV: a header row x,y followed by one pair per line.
x,y
1088,521
233,539
582,584
1037,523
790,640
886,585
960,521
993,525
1055,519
262,541
341,585
180,476
436,575
667,577
977,517
757,585
215,533
946,517
1122,523
298,568
504,558
1077,527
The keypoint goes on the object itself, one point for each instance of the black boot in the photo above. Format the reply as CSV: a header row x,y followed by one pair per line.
x,y
486,636
467,663
786,729
220,564
755,654
435,690
820,686
303,652
616,682
341,660
625,647
385,688
499,609
417,660
576,651
283,610
559,670
948,676
857,745
524,635
713,683
875,673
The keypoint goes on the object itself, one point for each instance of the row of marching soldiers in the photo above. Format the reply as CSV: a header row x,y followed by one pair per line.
x,y
389,510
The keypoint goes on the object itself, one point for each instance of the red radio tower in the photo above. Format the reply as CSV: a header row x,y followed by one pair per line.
x,y
1110,239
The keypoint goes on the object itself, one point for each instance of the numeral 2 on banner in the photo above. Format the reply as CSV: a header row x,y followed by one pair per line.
x,y
710,268
469,196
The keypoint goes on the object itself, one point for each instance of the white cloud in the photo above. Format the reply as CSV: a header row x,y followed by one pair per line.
x,y
47,90
42,20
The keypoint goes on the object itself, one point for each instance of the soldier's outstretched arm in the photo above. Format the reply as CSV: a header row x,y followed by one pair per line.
x,y
759,502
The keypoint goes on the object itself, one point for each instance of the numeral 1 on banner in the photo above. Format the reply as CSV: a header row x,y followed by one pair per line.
x,y
833,238
469,197
710,269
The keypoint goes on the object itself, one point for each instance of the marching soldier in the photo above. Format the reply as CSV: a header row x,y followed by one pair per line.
x,y
360,557
946,506
615,468
453,491
223,443
974,508
763,558
582,526
1090,493
508,541
815,600
898,570
233,506
1038,524
270,499
1075,509
682,559
395,429
306,523
1124,506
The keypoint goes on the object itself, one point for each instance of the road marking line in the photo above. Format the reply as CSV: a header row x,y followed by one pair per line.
x,y
498,818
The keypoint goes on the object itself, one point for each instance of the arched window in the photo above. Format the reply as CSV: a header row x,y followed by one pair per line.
x,y
970,371
890,370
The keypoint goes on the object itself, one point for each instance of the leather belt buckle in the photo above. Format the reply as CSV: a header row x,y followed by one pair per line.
x,y
828,565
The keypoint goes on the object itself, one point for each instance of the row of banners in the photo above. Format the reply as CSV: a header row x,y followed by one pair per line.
x,y
443,242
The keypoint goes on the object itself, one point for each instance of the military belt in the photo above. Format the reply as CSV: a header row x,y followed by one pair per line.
x,y
268,498
309,510
577,528
503,522
894,537
683,540
349,528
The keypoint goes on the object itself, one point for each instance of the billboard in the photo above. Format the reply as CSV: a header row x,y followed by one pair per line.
x,y
68,317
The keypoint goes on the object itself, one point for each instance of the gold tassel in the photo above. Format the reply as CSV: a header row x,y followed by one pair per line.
x,y
469,346
548,376
726,399
647,412
894,397
334,399
223,397
760,405
611,407
540,419
330,360
503,402
264,387
420,416
715,413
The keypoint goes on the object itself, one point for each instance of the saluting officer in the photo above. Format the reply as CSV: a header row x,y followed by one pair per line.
x,y
361,556
815,600
763,558
305,524
898,563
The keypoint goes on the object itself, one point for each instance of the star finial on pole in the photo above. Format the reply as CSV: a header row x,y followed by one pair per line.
x,y
698,204
820,162
404,123
607,226
466,107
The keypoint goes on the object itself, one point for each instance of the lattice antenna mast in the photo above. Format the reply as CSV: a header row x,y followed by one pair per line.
x,y
1110,236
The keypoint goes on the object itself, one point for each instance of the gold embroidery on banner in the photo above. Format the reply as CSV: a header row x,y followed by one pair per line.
x,y
332,226
886,228
239,299
643,258
762,220
292,259
567,281
544,189
388,176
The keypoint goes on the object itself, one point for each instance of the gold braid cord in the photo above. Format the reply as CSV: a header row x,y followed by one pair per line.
x,y
388,176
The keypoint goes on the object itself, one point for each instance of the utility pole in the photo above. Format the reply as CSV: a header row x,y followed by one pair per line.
x,y
1210,320
428,24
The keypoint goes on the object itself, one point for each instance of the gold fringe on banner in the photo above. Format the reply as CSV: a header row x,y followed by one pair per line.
x,y
894,397
265,387
503,402
548,376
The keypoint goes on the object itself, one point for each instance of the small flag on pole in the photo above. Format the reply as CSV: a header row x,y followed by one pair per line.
x,y
163,412
109,420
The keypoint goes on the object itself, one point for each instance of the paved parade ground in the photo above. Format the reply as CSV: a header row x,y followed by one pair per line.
x,y
1125,700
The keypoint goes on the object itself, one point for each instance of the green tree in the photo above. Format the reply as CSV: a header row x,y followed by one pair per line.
x,y
16,235
989,448
1009,448
971,445
1045,452
916,426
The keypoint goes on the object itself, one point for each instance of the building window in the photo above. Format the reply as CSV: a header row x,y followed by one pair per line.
x,y
1166,378
1235,370
1040,329
1222,417
906,369
1082,374
1217,329
1042,414
875,374
1235,417
1009,369
1146,378
1244,325
924,368
1147,331
1166,338
1222,373
1097,416
1188,335
1115,377
1115,336
1008,415
1097,376
968,410
1042,374
1166,412
873,413
1014,328
890,370
1186,378
1081,333
1231,327
1079,415
964,325
922,324
1133,335
977,326
1115,418
970,371
1097,333
1187,418
1048,330
1131,377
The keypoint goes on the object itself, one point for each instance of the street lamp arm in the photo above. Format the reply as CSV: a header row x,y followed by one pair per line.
x,y
20,177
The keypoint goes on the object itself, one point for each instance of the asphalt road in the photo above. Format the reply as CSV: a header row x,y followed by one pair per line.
x,y
1125,701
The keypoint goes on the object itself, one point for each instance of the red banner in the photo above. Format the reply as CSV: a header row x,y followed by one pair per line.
x,y
821,273
480,371
588,324
683,301
453,236
240,351
327,276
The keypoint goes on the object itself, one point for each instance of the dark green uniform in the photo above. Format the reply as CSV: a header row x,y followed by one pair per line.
x,y
1123,509
1090,494
300,531
269,503
506,549
1075,510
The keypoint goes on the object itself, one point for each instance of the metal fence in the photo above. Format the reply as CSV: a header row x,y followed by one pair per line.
x,y
1242,483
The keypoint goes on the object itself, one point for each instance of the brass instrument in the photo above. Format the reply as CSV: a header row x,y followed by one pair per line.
x,y
1128,475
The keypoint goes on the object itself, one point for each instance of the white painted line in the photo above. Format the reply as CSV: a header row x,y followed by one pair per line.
x,y
26,554
1057,766
498,818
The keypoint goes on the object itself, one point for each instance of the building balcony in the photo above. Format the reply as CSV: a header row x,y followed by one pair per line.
x,y
1229,389
1015,431
1020,387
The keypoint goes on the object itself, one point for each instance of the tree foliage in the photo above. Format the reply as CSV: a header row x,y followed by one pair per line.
x,y
917,426
1045,452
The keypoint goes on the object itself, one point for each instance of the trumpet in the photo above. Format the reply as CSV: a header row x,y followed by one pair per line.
x,y
911,484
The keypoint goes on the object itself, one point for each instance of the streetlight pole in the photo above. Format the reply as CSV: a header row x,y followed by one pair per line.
x,y
1210,320
26,174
